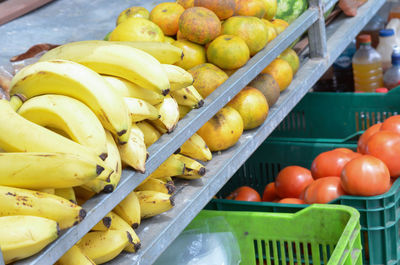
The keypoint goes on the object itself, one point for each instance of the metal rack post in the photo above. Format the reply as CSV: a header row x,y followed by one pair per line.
x,y
317,33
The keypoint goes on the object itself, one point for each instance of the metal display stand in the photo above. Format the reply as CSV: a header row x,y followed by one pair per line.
x,y
158,232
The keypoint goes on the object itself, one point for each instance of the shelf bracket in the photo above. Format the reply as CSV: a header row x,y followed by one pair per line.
x,y
317,33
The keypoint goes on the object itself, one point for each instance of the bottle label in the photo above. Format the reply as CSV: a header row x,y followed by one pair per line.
x,y
343,62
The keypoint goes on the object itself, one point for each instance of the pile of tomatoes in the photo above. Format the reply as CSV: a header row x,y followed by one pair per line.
x,y
368,172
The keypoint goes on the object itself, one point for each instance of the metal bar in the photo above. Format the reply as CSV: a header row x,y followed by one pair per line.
x,y
1,258
101,204
316,33
328,4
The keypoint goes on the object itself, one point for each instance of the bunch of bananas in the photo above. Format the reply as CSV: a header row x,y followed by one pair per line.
x,y
75,119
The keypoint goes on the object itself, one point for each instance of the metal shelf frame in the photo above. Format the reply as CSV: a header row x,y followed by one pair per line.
x,y
158,232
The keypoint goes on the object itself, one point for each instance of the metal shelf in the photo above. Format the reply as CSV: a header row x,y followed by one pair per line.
x,y
157,233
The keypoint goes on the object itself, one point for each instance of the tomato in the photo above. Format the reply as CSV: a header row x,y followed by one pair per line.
x,y
292,201
385,145
391,124
345,150
362,142
330,163
365,176
323,190
270,193
244,193
291,181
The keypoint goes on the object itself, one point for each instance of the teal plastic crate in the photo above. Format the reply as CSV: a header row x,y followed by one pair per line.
x,y
319,234
379,215
337,117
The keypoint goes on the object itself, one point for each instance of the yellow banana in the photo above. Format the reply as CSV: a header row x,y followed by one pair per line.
x,y
177,76
169,112
115,59
16,101
45,170
126,88
188,96
66,193
183,110
169,168
83,194
129,210
193,169
74,256
20,135
141,110
15,201
77,81
55,111
134,152
113,160
156,185
47,190
153,203
23,236
104,223
118,223
151,134
103,246
196,148
167,180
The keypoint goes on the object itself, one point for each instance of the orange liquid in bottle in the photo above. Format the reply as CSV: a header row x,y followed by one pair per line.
x,y
367,77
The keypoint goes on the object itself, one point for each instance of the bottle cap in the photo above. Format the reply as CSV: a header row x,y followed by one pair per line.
x,y
386,32
381,90
364,38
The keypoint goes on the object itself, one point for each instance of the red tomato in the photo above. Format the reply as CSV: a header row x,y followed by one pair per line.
x,y
385,145
270,193
292,201
365,176
323,190
291,181
362,142
391,124
342,149
244,193
330,163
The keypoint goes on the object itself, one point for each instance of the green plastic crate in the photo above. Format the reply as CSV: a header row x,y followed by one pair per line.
x,y
336,117
319,234
379,215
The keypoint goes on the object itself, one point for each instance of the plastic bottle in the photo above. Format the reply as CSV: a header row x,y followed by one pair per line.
x,y
385,47
392,76
372,28
367,66
394,24
343,70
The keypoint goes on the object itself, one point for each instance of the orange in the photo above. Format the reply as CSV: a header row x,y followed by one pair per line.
x,y
280,25
137,29
166,16
207,77
252,107
291,57
223,130
135,11
222,8
281,71
271,7
271,29
193,54
186,3
251,8
179,36
228,52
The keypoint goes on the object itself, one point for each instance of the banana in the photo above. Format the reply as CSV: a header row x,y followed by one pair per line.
x,y
20,135
15,201
115,59
134,152
153,203
129,210
141,110
196,148
193,169
169,112
16,102
66,193
103,246
183,110
177,76
23,236
47,190
173,166
167,180
151,134
45,170
83,194
156,185
118,223
104,223
77,81
188,96
81,124
74,256
113,160
128,89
